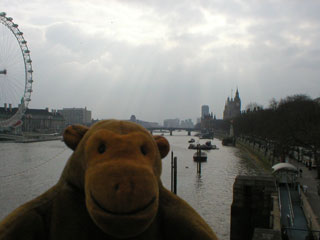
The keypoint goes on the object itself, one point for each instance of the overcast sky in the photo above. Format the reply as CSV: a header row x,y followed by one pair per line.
x,y
164,59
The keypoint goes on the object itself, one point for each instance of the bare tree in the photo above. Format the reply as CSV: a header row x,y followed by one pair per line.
x,y
253,106
293,121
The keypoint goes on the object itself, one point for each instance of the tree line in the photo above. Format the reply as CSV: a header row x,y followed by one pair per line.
x,y
286,124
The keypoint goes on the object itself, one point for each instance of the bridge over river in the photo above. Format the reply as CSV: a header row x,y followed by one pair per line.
x,y
172,129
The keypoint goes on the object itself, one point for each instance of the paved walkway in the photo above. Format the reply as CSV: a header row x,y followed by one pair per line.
x,y
309,179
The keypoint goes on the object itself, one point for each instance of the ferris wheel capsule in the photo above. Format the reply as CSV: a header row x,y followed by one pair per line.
x,y
15,72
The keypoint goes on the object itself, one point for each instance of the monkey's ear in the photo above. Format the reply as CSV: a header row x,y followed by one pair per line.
x,y
73,134
163,145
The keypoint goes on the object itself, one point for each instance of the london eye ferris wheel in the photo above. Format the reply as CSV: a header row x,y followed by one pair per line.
x,y
15,73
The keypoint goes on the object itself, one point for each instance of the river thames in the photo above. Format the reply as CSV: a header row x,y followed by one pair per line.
x,y
29,169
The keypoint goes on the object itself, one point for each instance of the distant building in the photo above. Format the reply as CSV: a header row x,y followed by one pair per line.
x,y
204,111
207,123
133,118
211,124
76,116
187,123
41,120
171,123
144,123
37,120
232,107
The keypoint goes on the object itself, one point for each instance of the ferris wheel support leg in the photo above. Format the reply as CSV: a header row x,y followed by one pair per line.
x,y
3,71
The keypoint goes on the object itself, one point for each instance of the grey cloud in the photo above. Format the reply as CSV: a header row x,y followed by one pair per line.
x,y
70,36
114,78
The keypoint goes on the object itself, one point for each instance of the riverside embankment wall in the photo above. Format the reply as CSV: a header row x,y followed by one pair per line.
x,y
255,211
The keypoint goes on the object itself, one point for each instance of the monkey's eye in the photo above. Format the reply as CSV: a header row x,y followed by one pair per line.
x,y
143,150
101,148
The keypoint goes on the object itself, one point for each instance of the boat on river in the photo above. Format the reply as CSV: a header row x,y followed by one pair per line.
x,y
207,135
206,146
200,156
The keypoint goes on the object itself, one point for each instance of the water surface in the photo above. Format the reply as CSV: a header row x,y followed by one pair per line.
x,y
29,169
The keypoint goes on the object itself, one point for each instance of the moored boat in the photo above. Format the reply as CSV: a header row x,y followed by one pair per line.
x,y
207,135
202,146
199,156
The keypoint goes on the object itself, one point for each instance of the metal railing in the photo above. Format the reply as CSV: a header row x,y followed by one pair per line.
x,y
290,206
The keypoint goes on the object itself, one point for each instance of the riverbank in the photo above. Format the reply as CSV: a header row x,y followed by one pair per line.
x,y
257,158
40,139
29,137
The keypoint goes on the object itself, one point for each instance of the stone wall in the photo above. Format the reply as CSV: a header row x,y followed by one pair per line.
x,y
252,206
266,234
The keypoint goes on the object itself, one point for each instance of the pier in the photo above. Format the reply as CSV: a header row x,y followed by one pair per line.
x,y
294,222
296,198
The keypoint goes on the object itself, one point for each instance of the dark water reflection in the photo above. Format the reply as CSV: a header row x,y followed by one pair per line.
x,y
27,170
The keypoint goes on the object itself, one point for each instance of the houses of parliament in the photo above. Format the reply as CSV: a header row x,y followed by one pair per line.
x,y
232,107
